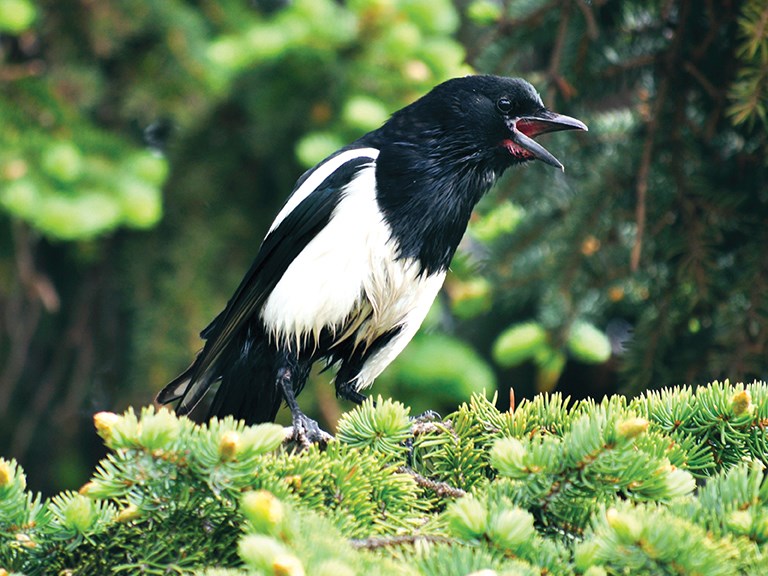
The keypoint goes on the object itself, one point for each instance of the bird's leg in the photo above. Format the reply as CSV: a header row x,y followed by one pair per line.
x,y
347,391
305,430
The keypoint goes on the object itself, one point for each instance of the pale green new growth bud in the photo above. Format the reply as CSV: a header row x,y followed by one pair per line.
x,y
586,554
25,541
130,512
263,510
588,344
508,457
739,521
468,517
87,488
79,513
6,474
122,430
484,12
518,343
679,482
741,403
631,428
104,423
260,439
746,523
287,565
390,417
260,552
626,527
511,528
229,444
158,430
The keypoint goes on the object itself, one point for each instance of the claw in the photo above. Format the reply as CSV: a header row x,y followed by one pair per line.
x,y
306,432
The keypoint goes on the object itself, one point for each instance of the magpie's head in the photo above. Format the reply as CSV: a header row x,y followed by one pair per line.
x,y
490,120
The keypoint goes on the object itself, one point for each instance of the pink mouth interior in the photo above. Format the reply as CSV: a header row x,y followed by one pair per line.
x,y
516,150
532,128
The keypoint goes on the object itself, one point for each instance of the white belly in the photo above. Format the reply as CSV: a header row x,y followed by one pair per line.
x,y
347,280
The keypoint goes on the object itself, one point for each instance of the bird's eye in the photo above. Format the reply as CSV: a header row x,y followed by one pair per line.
x,y
504,105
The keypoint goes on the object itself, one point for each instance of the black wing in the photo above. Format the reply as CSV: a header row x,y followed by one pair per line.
x,y
277,252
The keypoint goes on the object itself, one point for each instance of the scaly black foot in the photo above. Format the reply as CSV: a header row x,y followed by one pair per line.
x,y
307,432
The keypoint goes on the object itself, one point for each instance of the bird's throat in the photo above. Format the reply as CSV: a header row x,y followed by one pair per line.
x,y
517,151
429,215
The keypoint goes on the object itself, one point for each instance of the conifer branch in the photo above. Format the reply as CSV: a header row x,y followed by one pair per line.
x,y
173,496
441,489
553,70
641,184
377,543
593,31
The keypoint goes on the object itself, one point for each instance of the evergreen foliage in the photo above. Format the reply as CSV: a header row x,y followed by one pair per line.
x,y
553,487
655,239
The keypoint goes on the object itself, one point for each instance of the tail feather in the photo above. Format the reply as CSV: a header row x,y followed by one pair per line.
x,y
248,390
176,388
188,387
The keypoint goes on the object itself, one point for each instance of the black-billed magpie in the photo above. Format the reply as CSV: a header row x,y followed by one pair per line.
x,y
354,259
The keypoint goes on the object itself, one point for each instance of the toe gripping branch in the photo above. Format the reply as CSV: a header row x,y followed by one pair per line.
x,y
305,430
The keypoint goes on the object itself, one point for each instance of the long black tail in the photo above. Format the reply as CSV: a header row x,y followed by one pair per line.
x,y
247,370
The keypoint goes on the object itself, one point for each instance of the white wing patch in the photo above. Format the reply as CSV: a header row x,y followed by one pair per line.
x,y
324,283
316,178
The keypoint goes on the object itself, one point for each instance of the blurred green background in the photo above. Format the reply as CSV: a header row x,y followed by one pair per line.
x,y
145,147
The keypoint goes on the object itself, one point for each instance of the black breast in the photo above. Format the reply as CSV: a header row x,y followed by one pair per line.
x,y
428,201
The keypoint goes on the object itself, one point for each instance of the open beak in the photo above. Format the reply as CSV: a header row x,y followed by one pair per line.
x,y
523,130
